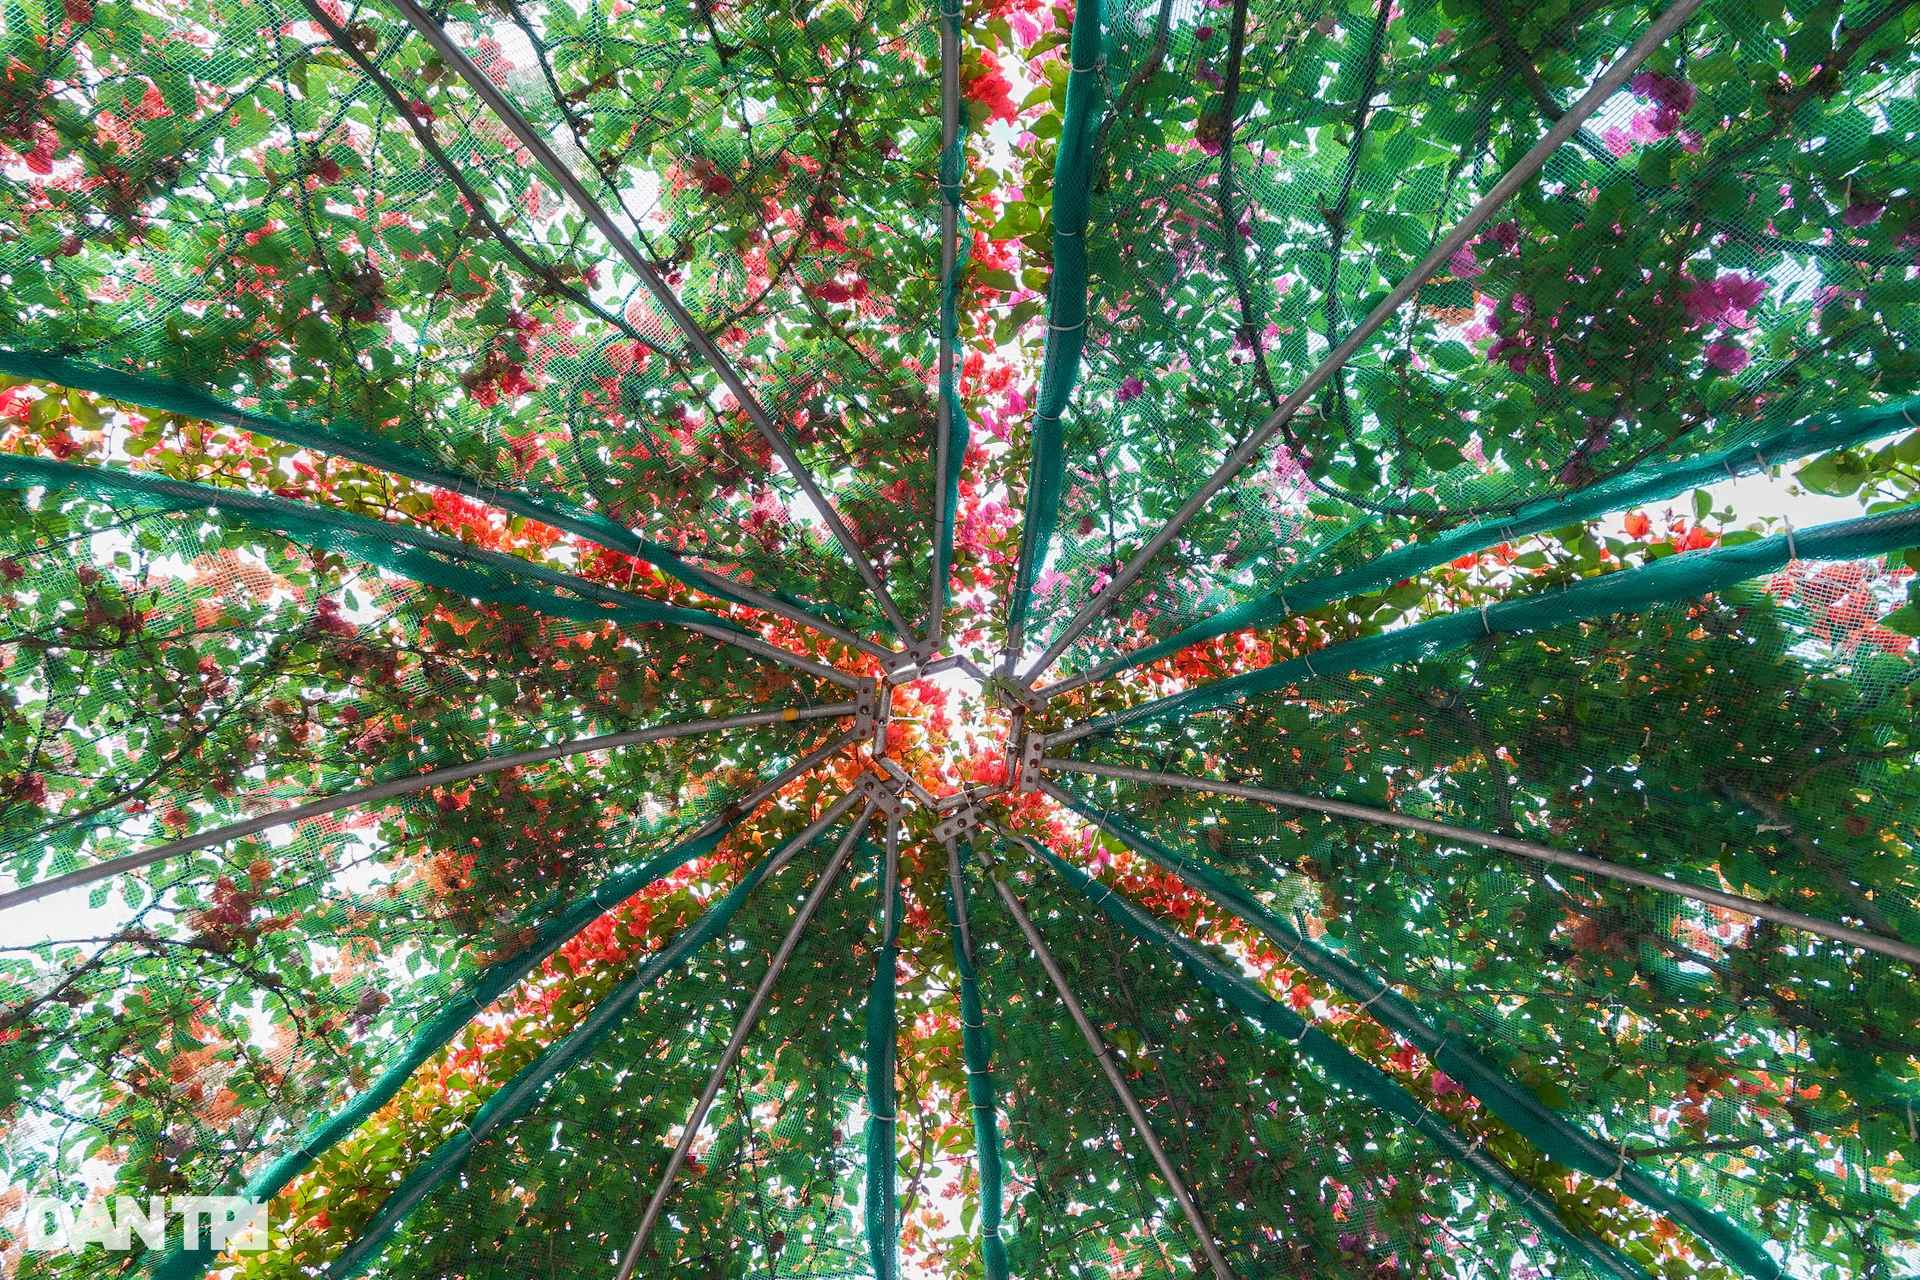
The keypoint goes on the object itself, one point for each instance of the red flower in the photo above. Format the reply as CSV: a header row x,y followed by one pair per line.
x,y
993,91
1637,524
712,181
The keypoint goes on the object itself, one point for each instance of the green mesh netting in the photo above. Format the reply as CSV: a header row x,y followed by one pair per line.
x,y
497,500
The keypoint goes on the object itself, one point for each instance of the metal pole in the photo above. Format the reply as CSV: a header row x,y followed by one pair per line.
x,y
760,795
774,653
1507,844
949,260
1112,1071
722,585
957,884
401,786
750,1014
890,884
704,346
1605,87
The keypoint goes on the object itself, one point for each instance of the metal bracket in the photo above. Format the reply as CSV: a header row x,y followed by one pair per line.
x,y
884,793
1031,749
867,708
962,821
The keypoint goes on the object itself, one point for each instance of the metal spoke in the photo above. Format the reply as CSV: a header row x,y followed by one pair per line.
x,y
751,1014
1605,87
1507,844
949,264
1135,1113
410,783
697,338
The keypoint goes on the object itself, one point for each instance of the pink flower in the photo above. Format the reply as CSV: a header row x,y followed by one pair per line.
x,y
1444,1084
1671,92
1464,264
1131,388
1654,123
1724,301
1727,357
1617,142
1864,214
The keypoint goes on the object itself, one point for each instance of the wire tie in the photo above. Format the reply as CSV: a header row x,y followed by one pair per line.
x,y
1084,71
1621,1165
1792,552
1727,465
1911,423
1368,1002
875,1115
1308,659
1067,328
977,1026
1483,619
1761,456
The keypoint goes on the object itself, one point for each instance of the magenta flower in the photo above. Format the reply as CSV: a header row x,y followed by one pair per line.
x,y
1864,214
1464,264
1513,350
1131,388
1727,357
1207,73
1671,92
1724,301
1203,33
1507,234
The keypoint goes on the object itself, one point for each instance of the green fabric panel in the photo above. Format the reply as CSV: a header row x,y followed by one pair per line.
x,y
882,1206
1642,485
358,446
1066,303
1514,1103
1685,576
977,1045
525,1088
413,553
487,986
334,440
1343,1067
953,167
